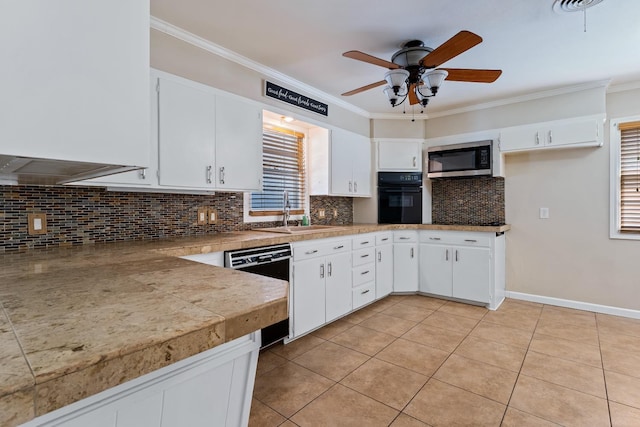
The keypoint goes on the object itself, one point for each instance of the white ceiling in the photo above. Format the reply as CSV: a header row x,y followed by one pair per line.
x,y
537,48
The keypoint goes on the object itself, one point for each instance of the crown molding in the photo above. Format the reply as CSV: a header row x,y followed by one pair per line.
x,y
523,98
187,37
623,87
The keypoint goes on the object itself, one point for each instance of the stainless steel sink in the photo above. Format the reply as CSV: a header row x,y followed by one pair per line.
x,y
298,229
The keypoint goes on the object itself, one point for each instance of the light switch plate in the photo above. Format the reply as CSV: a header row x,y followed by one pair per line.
x,y
202,216
544,213
212,216
37,223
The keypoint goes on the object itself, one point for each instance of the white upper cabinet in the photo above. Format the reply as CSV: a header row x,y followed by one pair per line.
x,y
578,132
186,135
75,81
339,163
238,145
399,155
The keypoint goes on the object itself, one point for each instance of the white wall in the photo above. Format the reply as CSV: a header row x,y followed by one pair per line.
x,y
569,255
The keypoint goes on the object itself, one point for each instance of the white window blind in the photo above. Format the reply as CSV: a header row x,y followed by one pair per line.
x,y
629,177
283,169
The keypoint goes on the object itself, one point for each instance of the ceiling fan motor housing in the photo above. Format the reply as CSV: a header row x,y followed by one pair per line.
x,y
409,58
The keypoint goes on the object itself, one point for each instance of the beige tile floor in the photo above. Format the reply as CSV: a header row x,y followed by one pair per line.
x,y
419,361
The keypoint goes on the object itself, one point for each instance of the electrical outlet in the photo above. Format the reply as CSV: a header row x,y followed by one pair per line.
x,y
212,216
321,213
202,216
37,223
544,213
335,213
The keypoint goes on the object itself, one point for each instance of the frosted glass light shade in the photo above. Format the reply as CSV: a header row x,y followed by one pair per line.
x,y
396,78
434,79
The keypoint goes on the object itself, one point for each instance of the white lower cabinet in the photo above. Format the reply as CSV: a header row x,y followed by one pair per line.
x,y
213,388
321,283
468,266
405,261
384,264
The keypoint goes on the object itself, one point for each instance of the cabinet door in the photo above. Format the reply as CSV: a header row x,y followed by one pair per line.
x,y
186,135
384,270
579,132
521,138
472,273
238,145
435,269
405,267
361,163
341,164
338,286
399,156
308,295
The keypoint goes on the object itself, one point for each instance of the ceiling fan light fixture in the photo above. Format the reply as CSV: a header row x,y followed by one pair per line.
x,y
396,79
392,95
433,79
411,54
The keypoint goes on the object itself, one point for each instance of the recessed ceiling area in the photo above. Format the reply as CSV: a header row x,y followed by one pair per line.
x,y
537,48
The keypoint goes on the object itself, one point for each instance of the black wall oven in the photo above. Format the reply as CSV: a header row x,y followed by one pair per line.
x,y
399,197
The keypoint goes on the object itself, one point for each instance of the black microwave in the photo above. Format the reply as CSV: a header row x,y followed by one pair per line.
x,y
470,159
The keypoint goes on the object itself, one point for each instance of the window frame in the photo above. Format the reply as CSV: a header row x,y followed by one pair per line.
x,y
274,216
614,180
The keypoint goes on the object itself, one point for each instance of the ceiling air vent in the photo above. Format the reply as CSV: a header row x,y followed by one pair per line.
x,y
561,6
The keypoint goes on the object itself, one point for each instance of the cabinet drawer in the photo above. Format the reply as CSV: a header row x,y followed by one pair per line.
x,y
363,274
364,241
319,249
363,295
405,236
337,247
363,256
384,238
456,238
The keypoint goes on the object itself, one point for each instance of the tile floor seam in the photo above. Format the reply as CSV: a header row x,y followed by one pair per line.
x,y
368,397
604,375
520,371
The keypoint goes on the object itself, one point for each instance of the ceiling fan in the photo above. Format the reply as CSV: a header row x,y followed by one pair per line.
x,y
413,73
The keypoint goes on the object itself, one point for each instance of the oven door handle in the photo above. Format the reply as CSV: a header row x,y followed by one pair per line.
x,y
401,190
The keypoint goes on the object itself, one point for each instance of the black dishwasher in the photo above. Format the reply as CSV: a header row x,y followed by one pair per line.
x,y
270,261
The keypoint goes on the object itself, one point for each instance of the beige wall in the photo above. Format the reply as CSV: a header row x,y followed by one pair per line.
x,y
183,59
569,255
398,128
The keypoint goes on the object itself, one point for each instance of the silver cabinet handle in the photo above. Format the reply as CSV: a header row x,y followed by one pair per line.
x,y
470,240
338,247
537,138
143,174
550,137
355,187
330,269
365,292
364,256
364,272
446,255
209,174
456,255
350,187
222,175
403,238
379,256
411,252
311,252
322,271
434,238
414,161
384,240
364,243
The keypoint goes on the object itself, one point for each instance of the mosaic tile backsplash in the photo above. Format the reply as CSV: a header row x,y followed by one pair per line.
x,y
87,215
468,201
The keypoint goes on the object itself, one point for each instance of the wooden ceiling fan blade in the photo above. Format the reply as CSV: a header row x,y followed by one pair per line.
x,y
365,57
363,88
470,75
413,98
453,47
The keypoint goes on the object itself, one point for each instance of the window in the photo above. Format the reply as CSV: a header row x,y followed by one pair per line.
x,y
625,152
283,170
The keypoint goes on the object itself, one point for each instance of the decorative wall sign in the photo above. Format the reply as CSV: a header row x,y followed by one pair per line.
x,y
272,90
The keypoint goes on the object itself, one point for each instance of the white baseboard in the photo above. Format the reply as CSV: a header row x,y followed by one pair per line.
x,y
579,305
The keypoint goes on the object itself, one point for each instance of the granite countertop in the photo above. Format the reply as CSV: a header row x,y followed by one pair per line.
x,y
77,321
